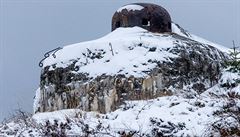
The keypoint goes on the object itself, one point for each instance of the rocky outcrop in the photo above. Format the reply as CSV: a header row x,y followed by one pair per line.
x,y
197,66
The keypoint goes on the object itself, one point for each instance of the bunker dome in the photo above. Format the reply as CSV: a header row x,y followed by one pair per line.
x,y
151,17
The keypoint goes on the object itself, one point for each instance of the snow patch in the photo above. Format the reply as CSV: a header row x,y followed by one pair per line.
x,y
229,77
131,7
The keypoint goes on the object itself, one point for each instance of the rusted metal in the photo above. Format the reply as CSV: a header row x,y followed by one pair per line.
x,y
152,17
46,55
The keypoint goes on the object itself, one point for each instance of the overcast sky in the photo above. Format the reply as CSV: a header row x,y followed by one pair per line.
x,y
29,28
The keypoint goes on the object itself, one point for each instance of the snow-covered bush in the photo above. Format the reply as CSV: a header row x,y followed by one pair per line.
x,y
228,119
234,63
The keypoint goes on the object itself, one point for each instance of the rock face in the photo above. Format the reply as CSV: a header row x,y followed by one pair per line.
x,y
188,64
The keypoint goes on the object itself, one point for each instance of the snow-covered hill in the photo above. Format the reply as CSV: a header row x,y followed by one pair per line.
x,y
127,64
132,82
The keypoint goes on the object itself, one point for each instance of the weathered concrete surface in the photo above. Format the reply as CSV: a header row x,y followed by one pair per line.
x,y
198,66
153,18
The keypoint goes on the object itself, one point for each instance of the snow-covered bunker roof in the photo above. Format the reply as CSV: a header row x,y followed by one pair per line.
x,y
151,17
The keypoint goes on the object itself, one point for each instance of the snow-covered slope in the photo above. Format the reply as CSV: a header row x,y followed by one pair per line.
x,y
120,58
180,116
114,54
212,113
180,31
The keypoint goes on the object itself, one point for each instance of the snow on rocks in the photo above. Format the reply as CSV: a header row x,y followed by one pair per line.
x,y
114,52
126,64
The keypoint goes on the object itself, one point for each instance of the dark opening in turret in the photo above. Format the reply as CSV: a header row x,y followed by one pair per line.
x,y
117,25
170,25
144,22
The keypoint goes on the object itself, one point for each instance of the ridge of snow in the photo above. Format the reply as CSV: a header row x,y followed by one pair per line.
x,y
202,40
178,30
131,7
